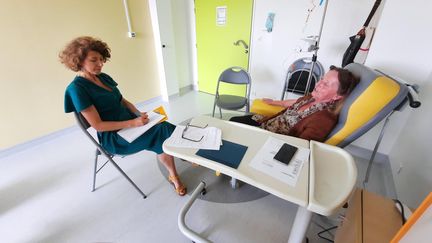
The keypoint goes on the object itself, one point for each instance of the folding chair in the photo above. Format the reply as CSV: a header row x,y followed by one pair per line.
x,y
233,75
84,125
298,75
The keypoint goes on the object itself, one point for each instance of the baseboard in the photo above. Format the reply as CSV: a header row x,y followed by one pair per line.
x,y
152,100
366,154
37,141
34,142
186,89
181,92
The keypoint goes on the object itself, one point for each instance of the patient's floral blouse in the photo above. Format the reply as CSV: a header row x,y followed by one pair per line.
x,y
285,121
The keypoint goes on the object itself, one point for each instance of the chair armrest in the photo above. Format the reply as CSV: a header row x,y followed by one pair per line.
x,y
333,175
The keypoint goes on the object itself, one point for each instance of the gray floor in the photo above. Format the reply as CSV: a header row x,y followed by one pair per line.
x,y
45,196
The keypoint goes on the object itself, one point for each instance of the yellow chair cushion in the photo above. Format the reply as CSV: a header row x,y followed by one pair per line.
x,y
262,108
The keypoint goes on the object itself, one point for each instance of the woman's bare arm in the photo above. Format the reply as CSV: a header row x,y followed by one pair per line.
x,y
130,106
93,118
283,103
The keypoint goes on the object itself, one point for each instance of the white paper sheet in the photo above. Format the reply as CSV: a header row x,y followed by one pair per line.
x,y
264,162
130,134
211,138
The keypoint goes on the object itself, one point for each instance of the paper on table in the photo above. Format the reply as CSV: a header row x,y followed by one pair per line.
x,y
211,138
264,162
130,134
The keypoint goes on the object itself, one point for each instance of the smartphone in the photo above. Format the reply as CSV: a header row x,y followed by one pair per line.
x,y
285,153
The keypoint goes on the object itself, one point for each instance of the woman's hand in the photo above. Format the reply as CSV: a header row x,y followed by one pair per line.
x,y
140,121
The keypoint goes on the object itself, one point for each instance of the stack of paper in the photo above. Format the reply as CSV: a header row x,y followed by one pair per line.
x,y
195,137
264,162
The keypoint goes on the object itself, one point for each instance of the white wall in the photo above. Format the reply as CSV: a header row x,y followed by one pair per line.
x,y
272,53
401,48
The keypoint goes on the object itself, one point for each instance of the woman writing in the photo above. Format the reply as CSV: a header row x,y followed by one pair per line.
x,y
95,95
310,117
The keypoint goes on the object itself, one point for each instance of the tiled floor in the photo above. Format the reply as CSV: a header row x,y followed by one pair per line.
x,y
45,196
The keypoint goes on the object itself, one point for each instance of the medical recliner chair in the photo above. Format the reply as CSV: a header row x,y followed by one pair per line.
x,y
376,97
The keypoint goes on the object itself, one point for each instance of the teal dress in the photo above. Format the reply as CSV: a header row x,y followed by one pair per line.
x,y
82,93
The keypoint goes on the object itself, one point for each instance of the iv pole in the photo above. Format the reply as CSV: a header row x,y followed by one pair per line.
x,y
315,48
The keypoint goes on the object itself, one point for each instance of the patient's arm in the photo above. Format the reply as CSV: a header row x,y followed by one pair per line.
x,y
314,127
284,103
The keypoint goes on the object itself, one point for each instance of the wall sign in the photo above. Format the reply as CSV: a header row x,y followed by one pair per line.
x,y
221,15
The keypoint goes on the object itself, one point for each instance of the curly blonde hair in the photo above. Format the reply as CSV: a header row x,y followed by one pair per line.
x,y
74,53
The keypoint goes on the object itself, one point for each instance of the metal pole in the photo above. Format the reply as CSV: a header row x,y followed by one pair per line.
x,y
181,220
369,167
300,225
314,57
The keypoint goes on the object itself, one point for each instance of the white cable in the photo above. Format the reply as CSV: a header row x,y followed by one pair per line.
x,y
131,34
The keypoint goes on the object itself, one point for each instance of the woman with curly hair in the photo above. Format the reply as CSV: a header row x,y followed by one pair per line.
x,y
95,95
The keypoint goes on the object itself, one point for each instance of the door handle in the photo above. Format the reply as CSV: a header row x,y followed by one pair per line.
x,y
237,43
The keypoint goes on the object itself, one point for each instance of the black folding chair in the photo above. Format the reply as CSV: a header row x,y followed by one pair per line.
x,y
84,125
237,76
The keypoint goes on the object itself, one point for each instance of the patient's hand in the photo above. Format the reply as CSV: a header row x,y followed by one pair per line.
x,y
268,101
284,103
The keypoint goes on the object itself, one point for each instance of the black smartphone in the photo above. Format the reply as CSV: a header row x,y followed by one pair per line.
x,y
285,153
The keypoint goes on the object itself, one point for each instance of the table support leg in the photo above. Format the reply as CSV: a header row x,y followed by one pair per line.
x,y
194,236
300,225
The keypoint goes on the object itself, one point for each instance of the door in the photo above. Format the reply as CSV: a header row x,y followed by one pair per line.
x,y
223,38
164,15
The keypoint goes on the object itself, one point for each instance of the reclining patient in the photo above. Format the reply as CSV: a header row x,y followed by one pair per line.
x,y
310,117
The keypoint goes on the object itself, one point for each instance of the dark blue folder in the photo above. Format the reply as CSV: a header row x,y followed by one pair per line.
x,y
229,154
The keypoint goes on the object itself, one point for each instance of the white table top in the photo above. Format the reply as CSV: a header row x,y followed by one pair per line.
x,y
317,198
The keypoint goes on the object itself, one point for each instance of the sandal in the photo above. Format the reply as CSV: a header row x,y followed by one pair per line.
x,y
181,190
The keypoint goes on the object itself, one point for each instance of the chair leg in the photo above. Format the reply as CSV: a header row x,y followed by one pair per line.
x,y
220,113
95,169
214,107
127,177
234,183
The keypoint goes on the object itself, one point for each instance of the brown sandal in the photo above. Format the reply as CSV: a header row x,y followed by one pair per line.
x,y
181,190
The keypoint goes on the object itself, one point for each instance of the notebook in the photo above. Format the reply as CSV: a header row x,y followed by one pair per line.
x,y
229,154
156,116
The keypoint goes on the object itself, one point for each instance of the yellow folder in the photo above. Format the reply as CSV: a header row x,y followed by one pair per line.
x,y
161,110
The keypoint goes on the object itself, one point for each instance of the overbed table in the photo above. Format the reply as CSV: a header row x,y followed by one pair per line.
x,y
324,184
